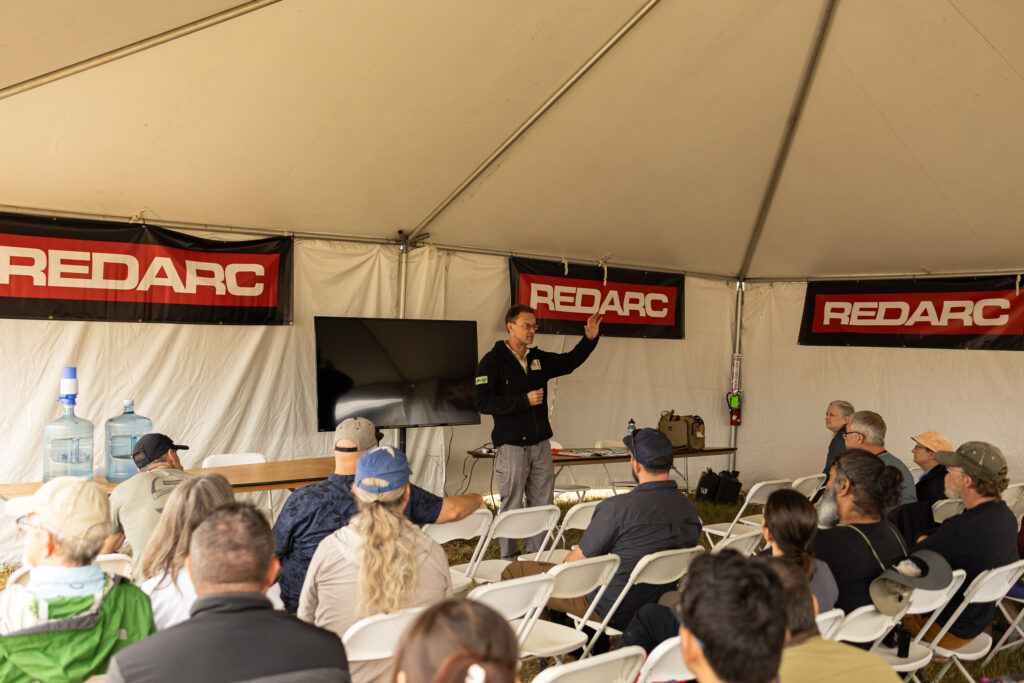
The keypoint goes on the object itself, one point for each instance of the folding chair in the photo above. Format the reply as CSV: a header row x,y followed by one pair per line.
x,y
572,580
1014,497
521,523
828,622
618,666
616,485
665,663
866,625
915,471
475,525
757,495
810,484
745,544
377,637
946,508
518,600
577,517
115,563
666,566
1014,627
921,602
578,489
989,586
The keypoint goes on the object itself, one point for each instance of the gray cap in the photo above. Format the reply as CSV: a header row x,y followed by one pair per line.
x,y
359,431
977,459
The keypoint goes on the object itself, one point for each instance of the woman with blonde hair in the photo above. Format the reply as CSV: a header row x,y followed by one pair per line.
x,y
166,580
380,563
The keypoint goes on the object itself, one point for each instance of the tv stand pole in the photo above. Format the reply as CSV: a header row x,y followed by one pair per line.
x,y
401,439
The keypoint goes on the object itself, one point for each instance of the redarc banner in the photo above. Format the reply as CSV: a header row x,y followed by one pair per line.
x,y
97,270
633,303
941,313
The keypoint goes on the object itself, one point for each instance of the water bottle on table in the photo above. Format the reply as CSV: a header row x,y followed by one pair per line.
x,y
121,434
67,441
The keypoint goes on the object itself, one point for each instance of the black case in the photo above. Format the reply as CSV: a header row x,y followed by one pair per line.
x,y
707,487
728,490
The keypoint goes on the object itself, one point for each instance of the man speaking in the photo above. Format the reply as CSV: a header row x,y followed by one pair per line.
x,y
510,384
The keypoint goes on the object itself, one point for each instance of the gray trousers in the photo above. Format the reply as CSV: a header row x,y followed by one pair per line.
x,y
524,470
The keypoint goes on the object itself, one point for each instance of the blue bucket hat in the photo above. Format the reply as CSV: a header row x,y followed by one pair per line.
x,y
650,447
383,462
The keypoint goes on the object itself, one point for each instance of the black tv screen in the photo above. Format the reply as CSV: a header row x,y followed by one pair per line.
x,y
395,372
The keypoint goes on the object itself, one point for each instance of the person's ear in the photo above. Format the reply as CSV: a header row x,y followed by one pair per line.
x,y
814,599
693,653
275,565
48,546
188,568
843,488
765,532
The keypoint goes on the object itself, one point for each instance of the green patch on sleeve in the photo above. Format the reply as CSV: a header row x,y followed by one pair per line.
x,y
482,379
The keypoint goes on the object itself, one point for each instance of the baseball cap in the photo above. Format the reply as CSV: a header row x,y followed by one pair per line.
x,y
75,507
359,431
977,459
650,447
933,441
151,446
386,463
924,569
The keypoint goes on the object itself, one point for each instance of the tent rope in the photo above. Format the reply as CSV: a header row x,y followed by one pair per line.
x,y
603,264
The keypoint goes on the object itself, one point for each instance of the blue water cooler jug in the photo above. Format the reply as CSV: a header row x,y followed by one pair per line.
x,y
121,434
67,441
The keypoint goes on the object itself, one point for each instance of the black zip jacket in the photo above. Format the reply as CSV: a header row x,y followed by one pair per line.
x,y
501,388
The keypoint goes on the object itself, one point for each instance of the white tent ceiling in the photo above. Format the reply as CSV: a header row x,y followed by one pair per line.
x,y
362,118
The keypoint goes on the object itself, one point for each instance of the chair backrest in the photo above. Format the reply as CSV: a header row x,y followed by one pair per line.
x,y
828,622
745,544
810,484
226,459
577,517
555,445
617,666
915,471
115,563
521,523
665,663
523,598
988,586
579,578
925,601
946,508
608,443
377,637
472,526
865,625
1014,497
757,495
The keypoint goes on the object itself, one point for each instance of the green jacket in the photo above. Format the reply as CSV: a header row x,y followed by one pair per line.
x,y
76,637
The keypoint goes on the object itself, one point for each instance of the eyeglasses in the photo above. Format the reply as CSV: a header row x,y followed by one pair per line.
x,y
853,434
527,326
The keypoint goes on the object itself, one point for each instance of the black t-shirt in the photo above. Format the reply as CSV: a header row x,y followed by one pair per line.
x,y
850,558
984,537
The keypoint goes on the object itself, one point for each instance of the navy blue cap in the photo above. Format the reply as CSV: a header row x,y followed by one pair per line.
x,y
650,447
383,462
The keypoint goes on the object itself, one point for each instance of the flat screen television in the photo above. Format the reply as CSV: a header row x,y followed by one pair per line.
x,y
395,372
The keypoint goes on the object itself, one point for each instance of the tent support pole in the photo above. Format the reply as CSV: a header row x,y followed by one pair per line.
x,y
403,276
737,348
138,46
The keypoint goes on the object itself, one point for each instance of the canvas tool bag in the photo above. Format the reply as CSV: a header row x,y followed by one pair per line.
x,y
684,431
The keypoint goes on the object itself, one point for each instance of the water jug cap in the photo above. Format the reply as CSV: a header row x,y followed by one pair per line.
x,y
69,372
129,403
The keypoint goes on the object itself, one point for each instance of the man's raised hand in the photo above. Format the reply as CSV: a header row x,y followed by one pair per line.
x,y
593,326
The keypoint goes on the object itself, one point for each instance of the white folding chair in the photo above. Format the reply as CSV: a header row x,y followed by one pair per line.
x,y
665,663
915,471
522,523
577,517
921,602
866,625
578,489
518,600
616,485
989,586
572,580
19,576
229,459
810,484
757,495
474,525
1013,496
666,566
946,508
377,637
618,666
116,563
1013,628
828,622
745,544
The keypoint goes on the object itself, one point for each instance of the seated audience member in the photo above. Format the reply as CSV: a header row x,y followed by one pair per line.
x,y
653,516
316,511
931,486
981,537
863,544
733,620
234,633
837,415
456,641
166,581
136,503
69,618
807,658
866,431
379,563
789,524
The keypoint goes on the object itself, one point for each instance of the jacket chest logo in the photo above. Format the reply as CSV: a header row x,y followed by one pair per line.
x,y
535,364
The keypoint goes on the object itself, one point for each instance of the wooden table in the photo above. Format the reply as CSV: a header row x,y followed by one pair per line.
x,y
283,474
685,454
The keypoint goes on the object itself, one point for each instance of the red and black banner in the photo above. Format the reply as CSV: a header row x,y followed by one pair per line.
x,y
634,303
941,313
97,270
